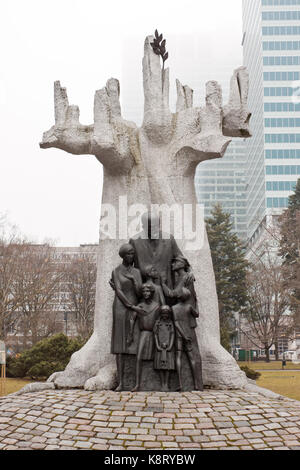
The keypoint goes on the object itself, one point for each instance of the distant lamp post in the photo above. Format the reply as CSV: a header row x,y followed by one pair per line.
x,y
3,367
66,320
283,361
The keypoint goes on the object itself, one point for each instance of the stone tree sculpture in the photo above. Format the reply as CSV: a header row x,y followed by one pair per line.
x,y
153,164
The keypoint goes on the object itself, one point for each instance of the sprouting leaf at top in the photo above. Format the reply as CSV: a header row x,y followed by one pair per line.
x,y
155,43
159,48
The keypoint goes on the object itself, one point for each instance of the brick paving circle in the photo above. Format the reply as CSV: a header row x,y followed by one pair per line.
x,y
78,419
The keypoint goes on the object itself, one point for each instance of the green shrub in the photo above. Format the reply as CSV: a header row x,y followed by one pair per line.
x,y
47,356
250,373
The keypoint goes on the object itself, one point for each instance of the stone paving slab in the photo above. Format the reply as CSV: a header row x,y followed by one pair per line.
x,y
209,420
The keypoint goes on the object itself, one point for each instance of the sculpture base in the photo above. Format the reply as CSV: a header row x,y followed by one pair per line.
x,y
150,379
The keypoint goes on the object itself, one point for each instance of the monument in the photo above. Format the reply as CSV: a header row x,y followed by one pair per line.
x,y
153,164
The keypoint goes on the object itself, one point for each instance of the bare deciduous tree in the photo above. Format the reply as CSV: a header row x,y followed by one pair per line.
x,y
267,316
10,253
80,286
37,287
11,246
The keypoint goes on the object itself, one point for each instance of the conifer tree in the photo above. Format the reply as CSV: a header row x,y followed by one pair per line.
x,y
230,267
290,248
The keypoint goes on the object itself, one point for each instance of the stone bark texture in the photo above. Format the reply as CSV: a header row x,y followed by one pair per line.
x,y
154,164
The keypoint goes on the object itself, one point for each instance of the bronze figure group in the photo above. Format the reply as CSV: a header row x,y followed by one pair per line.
x,y
154,311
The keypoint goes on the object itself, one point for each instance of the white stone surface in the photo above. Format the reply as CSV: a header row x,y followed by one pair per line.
x,y
35,387
154,164
106,379
252,388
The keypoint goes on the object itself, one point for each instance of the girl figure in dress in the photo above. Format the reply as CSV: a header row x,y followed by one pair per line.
x,y
164,336
126,281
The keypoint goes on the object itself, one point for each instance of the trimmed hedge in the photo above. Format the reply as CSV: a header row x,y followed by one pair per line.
x,y
250,373
44,358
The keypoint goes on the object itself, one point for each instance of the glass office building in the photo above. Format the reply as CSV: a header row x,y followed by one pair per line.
x,y
223,181
271,43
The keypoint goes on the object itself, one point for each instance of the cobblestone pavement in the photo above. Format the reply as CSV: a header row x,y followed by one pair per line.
x,y
78,419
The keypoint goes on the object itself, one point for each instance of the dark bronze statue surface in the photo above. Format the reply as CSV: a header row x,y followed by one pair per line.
x,y
126,282
164,335
147,312
152,276
183,278
186,341
153,249
159,47
154,315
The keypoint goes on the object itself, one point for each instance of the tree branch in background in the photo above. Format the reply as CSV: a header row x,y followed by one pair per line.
x,y
80,289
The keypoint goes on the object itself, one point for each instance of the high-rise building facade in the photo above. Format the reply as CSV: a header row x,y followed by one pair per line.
x,y
271,43
223,181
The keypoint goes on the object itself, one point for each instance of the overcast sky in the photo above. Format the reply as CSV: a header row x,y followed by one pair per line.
x,y
52,194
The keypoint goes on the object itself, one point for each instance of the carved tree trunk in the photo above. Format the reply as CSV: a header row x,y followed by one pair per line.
x,y
152,165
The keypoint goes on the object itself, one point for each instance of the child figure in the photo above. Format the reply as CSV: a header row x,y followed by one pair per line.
x,y
186,339
147,312
153,277
164,336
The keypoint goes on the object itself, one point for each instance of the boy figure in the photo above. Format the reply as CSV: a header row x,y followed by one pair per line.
x,y
153,277
184,316
147,312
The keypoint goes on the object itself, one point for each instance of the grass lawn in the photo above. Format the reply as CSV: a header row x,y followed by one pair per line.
x,y
284,383
13,385
270,365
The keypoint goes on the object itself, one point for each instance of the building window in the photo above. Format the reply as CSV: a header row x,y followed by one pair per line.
x,y
281,45
283,345
282,122
281,185
280,30
281,76
280,15
281,91
281,107
277,202
282,153
281,60
282,138
283,170
279,2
